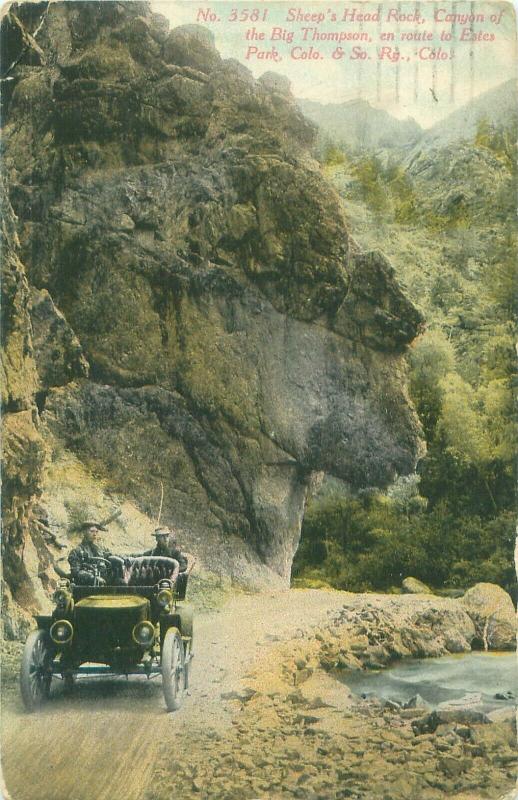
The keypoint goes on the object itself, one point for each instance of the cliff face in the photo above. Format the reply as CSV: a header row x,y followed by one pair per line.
x,y
236,342
24,553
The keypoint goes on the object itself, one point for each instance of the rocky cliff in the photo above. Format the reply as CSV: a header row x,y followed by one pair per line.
x,y
218,331
23,450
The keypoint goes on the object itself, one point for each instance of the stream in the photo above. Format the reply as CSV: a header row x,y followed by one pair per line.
x,y
486,681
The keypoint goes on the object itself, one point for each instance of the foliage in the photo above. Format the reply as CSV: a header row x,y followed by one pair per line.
x,y
501,140
332,154
454,525
431,359
359,544
369,174
500,277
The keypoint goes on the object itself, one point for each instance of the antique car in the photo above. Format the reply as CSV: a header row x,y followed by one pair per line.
x,y
133,623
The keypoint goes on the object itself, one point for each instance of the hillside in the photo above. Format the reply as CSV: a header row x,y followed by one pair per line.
x,y
497,105
446,219
356,124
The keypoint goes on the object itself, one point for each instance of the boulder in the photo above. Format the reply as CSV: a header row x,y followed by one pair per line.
x,y
415,586
493,615
193,46
464,716
416,702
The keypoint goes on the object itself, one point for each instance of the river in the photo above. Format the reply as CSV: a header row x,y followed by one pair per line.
x,y
472,678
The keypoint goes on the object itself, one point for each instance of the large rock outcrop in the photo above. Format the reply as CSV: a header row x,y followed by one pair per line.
x,y
237,343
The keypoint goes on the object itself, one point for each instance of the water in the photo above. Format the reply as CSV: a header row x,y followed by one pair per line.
x,y
475,677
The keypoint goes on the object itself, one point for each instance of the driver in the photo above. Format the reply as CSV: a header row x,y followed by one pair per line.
x,y
81,558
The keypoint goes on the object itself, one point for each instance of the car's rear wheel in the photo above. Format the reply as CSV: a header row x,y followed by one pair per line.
x,y
36,670
173,669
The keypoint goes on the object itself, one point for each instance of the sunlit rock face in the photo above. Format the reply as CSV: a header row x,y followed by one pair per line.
x,y
24,552
236,341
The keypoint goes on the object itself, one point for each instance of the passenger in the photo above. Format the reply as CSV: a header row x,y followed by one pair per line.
x,y
166,545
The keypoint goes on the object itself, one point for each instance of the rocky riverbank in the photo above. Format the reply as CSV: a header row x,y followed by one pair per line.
x,y
297,731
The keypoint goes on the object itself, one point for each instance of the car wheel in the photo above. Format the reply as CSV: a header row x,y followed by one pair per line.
x,y
173,669
36,671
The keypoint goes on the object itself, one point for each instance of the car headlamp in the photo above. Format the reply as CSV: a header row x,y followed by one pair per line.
x,y
164,597
61,631
144,633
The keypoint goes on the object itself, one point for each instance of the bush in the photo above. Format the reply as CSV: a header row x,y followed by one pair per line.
x,y
359,544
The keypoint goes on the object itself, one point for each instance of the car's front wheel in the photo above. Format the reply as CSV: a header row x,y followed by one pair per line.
x,y
173,669
36,671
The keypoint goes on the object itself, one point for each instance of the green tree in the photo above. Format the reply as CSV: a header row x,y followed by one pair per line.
x,y
431,359
369,174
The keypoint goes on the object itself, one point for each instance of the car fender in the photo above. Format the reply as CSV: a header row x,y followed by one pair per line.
x,y
186,613
181,618
43,621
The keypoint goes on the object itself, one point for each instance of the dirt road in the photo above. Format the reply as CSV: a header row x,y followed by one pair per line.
x,y
101,743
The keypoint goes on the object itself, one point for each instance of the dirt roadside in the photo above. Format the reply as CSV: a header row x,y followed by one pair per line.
x,y
102,743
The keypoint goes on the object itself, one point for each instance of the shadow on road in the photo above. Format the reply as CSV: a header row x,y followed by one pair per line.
x,y
138,693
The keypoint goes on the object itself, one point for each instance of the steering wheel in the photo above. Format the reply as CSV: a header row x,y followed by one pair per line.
x,y
98,559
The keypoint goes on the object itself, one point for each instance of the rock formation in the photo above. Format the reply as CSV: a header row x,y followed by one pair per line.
x,y
169,211
493,614
414,586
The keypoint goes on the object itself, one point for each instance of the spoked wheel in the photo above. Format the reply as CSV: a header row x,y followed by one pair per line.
x,y
36,671
173,669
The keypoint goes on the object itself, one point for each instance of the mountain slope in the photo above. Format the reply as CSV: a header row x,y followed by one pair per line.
x,y
498,106
358,125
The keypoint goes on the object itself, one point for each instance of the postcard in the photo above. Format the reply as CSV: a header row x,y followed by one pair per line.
x,y
258,410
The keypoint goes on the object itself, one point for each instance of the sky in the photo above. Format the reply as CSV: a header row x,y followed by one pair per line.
x,y
414,84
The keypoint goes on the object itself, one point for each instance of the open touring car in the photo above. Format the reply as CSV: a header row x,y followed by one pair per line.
x,y
135,623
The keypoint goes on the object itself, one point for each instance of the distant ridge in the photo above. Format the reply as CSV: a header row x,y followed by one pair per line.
x,y
357,124
498,105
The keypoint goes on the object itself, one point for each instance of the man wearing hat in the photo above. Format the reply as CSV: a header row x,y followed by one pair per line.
x,y
82,565
166,546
